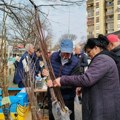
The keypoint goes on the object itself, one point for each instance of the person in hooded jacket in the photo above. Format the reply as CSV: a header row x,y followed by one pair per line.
x,y
100,83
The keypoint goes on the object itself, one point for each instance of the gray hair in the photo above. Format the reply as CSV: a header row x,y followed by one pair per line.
x,y
78,47
28,46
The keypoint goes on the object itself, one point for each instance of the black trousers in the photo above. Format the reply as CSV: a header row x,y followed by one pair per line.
x,y
68,103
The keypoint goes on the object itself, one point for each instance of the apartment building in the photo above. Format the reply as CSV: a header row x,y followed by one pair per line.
x,y
103,17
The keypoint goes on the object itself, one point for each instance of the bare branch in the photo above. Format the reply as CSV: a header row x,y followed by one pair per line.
x,y
11,11
53,5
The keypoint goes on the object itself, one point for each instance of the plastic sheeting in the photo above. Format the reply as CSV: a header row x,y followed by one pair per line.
x,y
78,109
58,113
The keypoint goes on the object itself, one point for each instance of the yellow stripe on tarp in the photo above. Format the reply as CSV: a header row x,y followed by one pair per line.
x,y
1,116
22,114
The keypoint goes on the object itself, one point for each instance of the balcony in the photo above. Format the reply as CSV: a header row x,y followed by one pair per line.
x,y
108,0
110,31
110,28
90,1
90,15
90,36
90,22
111,12
109,4
118,2
109,20
118,17
90,28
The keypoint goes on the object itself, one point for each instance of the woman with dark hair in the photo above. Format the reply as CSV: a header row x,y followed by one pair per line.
x,y
100,83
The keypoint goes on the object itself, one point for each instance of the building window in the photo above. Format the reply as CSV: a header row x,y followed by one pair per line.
x,y
118,2
91,28
97,19
97,5
110,31
109,3
90,21
110,19
118,26
110,26
97,34
118,9
118,16
97,27
90,13
97,11
111,11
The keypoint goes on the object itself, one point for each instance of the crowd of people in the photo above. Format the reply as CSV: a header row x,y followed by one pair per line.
x,y
98,84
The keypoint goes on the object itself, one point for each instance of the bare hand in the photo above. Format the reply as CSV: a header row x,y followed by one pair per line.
x,y
78,91
56,82
45,73
49,83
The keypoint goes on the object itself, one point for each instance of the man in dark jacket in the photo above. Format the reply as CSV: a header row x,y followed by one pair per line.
x,y
83,63
25,65
63,63
82,58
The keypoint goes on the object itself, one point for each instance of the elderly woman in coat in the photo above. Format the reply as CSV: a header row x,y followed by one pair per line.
x,y
100,83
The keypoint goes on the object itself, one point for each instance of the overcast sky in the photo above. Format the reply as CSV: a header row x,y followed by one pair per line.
x,y
67,20
64,20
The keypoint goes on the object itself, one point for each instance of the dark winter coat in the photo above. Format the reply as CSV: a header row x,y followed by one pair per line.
x,y
117,50
21,73
101,89
16,66
37,67
83,61
59,70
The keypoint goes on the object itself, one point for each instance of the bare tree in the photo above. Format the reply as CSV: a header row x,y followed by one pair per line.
x,y
68,36
56,47
65,36
21,16
22,26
